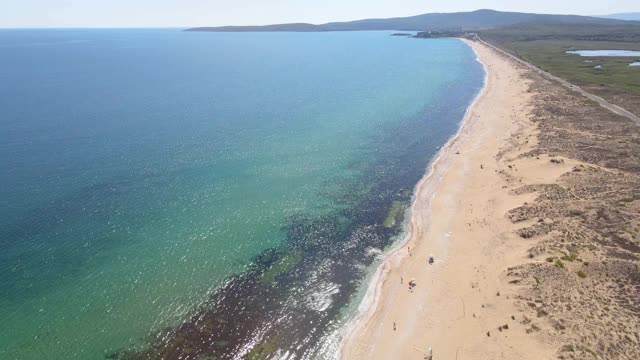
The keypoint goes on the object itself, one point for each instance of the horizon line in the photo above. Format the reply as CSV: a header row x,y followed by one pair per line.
x,y
279,23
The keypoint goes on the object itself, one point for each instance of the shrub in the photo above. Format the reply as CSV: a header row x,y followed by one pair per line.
x,y
567,348
570,257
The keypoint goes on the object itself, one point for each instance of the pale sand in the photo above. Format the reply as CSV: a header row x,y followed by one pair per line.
x,y
459,216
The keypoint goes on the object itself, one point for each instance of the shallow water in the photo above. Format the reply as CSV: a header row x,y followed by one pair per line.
x,y
204,192
605,53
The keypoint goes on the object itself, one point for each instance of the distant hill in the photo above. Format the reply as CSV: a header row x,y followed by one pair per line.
x,y
474,20
623,16
623,31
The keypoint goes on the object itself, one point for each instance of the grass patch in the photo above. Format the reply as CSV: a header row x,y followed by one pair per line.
x,y
631,199
571,257
281,266
559,263
396,207
590,352
574,212
545,45
582,274
551,56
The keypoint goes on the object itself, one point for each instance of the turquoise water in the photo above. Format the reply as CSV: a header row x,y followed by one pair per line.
x,y
202,192
605,52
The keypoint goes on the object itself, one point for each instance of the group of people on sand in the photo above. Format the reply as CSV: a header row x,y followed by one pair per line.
x,y
413,284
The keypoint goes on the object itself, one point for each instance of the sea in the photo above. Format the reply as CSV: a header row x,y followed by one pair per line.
x,y
191,195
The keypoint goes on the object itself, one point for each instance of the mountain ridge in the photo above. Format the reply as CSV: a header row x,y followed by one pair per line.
x,y
473,20
629,16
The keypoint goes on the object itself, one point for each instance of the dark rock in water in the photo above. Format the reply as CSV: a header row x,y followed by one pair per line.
x,y
268,305
401,34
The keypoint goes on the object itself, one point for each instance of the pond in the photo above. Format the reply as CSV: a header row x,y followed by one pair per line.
x,y
637,63
605,52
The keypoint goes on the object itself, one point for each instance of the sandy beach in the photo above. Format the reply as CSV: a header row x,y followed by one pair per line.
x,y
532,214
459,306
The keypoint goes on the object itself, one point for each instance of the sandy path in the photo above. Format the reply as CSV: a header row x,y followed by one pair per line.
x,y
458,216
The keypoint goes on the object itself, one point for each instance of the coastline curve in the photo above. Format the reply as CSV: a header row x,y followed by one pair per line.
x,y
435,171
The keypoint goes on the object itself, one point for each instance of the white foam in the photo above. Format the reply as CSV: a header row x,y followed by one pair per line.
x,y
321,298
371,251
318,292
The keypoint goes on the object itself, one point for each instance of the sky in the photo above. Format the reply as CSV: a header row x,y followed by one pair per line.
x,y
190,13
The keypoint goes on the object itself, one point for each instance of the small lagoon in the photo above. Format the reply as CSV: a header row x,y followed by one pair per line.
x,y
617,53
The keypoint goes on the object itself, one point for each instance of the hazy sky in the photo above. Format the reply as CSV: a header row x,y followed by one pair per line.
x,y
186,13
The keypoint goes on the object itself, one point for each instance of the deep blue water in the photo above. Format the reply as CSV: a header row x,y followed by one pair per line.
x,y
206,193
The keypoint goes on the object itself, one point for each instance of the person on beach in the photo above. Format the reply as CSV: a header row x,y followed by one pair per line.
x,y
394,326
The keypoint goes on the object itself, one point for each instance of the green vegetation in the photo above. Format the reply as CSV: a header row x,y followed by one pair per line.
x,y
545,45
396,208
590,352
571,257
624,32
582,274
559,263
574,212
281,266
631,199
262,351
551,56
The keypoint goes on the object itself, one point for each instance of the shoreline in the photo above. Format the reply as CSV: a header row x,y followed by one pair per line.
x,y
370,300
487,129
